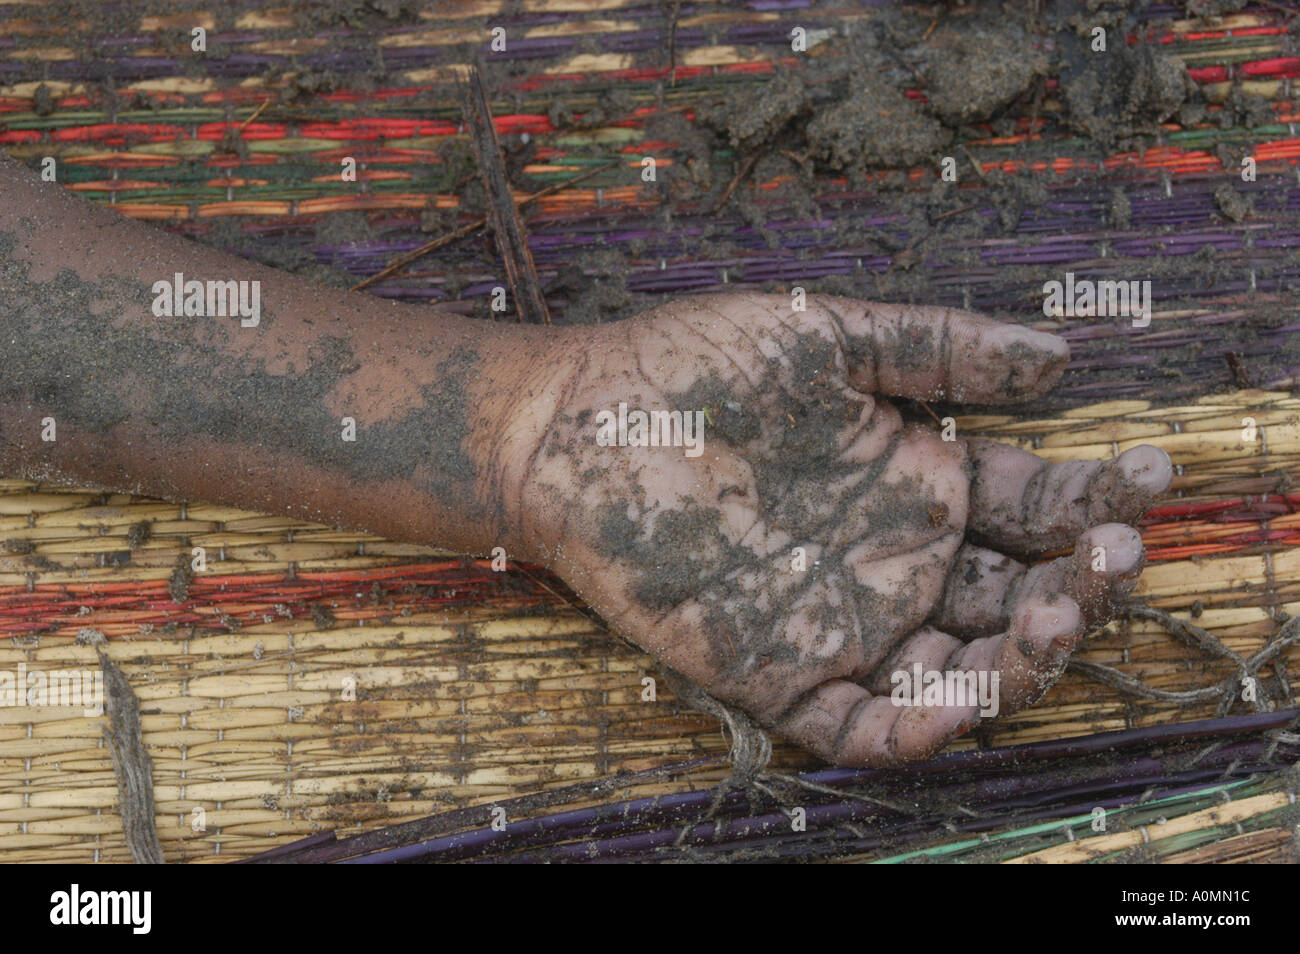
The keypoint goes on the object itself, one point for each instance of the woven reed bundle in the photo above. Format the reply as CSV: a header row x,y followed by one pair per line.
x,y
473,686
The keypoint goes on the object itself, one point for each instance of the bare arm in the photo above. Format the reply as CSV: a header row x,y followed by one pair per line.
x,y
798,557
249,410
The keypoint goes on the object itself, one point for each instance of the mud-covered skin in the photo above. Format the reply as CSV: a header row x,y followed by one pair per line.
x,y
61,336
695,558
200,407
474,435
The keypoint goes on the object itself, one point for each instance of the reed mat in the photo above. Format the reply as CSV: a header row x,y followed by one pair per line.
x,y
241,146
315,680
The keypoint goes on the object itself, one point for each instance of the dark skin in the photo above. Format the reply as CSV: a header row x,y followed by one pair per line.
x,y
815,547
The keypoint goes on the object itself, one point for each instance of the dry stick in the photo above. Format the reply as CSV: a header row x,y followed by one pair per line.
x,y
1238,369
420,252
507,226
840,793
584,610
672,44
404,260
131,765
930,412
976,165
943,215
257,112
741,172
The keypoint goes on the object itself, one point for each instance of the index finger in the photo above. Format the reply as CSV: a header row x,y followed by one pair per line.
x,y
932,353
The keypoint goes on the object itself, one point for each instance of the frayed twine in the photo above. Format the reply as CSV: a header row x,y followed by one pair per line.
x,y
1226,692
749,755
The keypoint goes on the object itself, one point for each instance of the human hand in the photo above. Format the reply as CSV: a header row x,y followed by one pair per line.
x,y
818,545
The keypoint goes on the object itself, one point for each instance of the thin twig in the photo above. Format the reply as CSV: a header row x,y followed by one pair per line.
x,y
943,215
838,793
976,165
257,112
672,44
746,165
585,611
403,260
507,225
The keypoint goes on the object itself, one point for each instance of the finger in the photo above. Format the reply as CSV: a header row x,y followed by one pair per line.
x,y
942,353
1099,574
984,585
928,647
1020,503
1031,654
846,725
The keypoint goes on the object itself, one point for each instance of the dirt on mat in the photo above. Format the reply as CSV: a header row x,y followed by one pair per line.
x,y
900,89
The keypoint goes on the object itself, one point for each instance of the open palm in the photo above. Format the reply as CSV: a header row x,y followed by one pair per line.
x,y
815,545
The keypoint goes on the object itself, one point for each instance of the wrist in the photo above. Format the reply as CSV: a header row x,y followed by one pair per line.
x,y
519,391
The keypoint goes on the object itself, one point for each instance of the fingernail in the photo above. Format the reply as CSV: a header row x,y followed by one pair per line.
x,y
1147,468
1120,546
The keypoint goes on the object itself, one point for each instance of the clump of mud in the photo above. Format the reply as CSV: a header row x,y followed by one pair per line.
x,y
1123,92
139,534
307,83
1119,210
360,14
1243,109
1233,204
757,115
875,125
178,584
322,616
981,72
42,101
853,115
1213,8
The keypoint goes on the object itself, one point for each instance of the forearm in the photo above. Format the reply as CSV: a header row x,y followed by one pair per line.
x,y
315,403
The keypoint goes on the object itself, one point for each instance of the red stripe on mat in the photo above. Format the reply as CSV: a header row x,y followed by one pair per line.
x,y
1174,531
